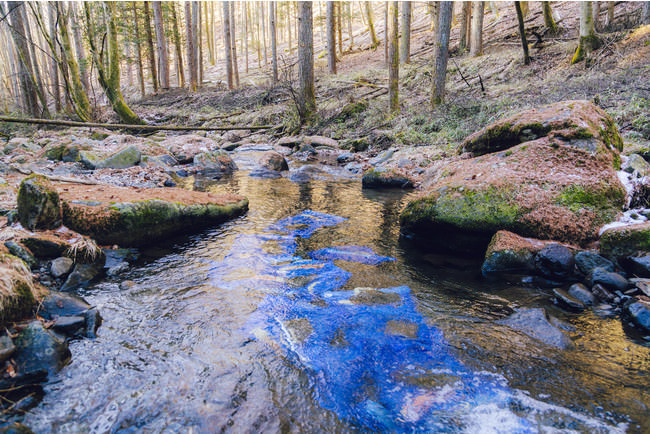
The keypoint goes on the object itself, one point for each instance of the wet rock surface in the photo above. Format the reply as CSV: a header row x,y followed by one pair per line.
x,y
38,204
535,323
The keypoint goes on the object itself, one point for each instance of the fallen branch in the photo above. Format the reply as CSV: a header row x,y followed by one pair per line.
x,y
54,178
129,127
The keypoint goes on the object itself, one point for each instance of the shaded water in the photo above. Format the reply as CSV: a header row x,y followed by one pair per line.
x,y
222,333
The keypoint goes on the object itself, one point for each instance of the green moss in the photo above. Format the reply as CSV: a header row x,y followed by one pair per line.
x,y
626,241
604,201
611,137
98,136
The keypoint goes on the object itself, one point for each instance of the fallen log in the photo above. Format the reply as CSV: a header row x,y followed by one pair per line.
x,y
129,127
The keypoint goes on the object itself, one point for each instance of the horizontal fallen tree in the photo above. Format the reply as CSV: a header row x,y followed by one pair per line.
x,y
141,128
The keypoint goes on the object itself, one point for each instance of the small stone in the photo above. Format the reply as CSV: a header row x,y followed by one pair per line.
x,y
38,349
169,183
20,252
298,329
374,296
567,301
69,325
587,261
82,275
554,261
60,304
118,269
602,294
61,266
535,323
127,284
346,157
639,313
404,329
643,285
580,292
272,160
93,321
613,281
7,348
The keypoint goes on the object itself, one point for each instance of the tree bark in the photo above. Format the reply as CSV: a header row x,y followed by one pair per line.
x,y
306,95
609,19
522,32
138,49
596,14
548,18
266,58
645,16
588,41
191,52
476,46
349,19
386,34
441,55
371,25
393,58
246,35
339,30
152,55
110,80
464,23
405,43
54,67
179,50
274,47
331,39
79,47
161,44
233,44
227,41
26,75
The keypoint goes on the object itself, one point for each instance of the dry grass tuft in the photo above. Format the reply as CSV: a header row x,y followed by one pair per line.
x,y
18,291
84,250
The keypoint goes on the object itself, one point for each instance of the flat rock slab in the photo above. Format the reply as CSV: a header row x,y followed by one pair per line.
x,y
139,216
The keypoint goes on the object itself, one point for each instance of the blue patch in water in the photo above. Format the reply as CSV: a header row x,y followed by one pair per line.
x,y
306,223
360,254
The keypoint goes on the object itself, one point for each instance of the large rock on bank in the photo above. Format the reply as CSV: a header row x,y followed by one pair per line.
x,y
138,216
38,203
561,186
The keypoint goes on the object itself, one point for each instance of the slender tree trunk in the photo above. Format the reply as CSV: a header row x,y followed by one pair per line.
x,y
306,95
548,18
588,40
266,58
152,55
405,45
56,93
609,19
26,75
233,44
79,47
441,52
476,48
349,19
596,14
464,23
331,39
246,35
208,36
386,34
191,52
138,50
371,25
339,31
645,16
227,40
38,79
258,43
129,62
110,79
161,44
198,45
274,48
522,32
179,50
393,58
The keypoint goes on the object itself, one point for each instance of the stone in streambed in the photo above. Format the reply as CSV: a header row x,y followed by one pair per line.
x,y
122,159
45,246
554,262
536,324
61,266
639,266
587,261
38,204
625,241
509,253
216,164
7,348
37,349
567,301
273,161
383,177
581,293
22,253
602,293
613,281
82,275
639,313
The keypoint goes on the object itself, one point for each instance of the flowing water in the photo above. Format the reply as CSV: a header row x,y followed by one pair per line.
x,y
260,326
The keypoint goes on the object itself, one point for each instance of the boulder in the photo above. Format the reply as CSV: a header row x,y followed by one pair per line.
x,y
127,157
625,241
573,121
82,275
555,187
602,293
536,323
7,348
60,304
580,292
609,280
384,177
22,253
635,164
185,147
274,161
20,294
322,141
165,161
639,266
510,253
46,246
587,261
567,301
289,141
214,163
38,204
38,349
639,313
61,266
139,216
555,262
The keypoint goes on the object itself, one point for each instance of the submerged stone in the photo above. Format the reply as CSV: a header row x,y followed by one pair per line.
x,y
360,254
374,296
37,349
535,323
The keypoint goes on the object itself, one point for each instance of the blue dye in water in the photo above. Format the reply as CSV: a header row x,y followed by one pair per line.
x,y
374,360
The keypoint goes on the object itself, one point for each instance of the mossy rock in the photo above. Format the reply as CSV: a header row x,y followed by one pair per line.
x,y
382,177
510,253
20,294
574,122
135,217
624,241
536,190
38,204
127,157
216,163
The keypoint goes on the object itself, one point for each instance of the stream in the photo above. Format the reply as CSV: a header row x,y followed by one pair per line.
x,y
309,314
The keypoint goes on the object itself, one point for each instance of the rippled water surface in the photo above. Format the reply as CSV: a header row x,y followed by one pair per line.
x,y
237,329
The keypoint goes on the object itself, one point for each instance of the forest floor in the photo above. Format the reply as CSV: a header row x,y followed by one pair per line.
x,y
480,90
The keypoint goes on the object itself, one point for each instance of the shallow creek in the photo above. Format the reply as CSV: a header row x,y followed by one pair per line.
x,y
256,326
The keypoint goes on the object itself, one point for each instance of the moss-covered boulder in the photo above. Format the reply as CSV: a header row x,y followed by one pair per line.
x,y
38,204
625,241
570,121
550,188
274,161
122,159
216,163
510,253
18,292
385,177
139,216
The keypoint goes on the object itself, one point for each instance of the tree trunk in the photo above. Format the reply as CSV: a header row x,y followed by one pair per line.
x,y
25,73
79,47
371,25
40,87
198,46
645,16
476,46
110,80
161,44
522,32
393,58
233,44
152,55
246,35
588,41
349,17
596,14
609,19
274,48
464,23
56,93
331,39
208,35
339,30
138,50
227,41
191,52
386,34
548,18
405,43
266,58
441,52
179,50
306,95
